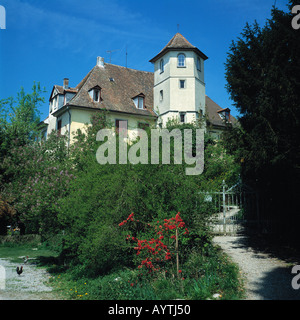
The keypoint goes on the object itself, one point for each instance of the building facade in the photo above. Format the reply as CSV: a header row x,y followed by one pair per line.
x,y
176,90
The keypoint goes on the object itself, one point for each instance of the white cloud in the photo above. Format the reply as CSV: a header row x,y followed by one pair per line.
x,y
74,25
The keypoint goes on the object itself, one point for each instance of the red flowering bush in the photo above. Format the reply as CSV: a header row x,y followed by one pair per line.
x,y
162,247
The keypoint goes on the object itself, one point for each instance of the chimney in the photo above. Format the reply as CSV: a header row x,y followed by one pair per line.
x,y
100,62
66,83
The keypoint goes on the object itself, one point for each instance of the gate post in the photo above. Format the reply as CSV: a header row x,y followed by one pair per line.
x,y
224,207
2,278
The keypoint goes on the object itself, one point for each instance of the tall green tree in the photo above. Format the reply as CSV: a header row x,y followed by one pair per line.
x,y
19,120
263,80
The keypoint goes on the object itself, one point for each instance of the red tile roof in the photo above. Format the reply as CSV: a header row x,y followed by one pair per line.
x,y
179,42
118,86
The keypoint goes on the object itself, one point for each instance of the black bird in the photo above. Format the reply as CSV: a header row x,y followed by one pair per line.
x,y
19,270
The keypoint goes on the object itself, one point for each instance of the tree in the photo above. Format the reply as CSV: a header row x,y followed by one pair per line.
x,y
263,80
19,118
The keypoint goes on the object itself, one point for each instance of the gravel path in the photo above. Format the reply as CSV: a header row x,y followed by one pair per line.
x,y
30,285
266,277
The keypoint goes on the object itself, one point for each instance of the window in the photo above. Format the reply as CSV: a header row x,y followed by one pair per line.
x,y
117,124
227,115
182,117
161,95
162,66
181,84
59,127
198,64
95,94
139,101
181,60
55,103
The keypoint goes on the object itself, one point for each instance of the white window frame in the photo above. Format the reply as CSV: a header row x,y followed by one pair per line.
x,y
93,94
181,60
139,102
162,66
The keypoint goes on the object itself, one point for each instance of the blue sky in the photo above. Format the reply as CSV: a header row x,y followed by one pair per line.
x,y
48,40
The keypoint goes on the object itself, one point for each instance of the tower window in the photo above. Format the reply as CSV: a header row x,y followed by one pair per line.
x,y
182,117
161,95
198,64
181,84
181,60
162,66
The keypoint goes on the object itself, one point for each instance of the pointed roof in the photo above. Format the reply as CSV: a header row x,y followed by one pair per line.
x,y
179,42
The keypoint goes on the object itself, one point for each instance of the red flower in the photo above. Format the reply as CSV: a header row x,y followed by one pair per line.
x,y
179,271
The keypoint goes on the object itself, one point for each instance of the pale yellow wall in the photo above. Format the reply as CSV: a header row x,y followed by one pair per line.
x,y
132,122
79,119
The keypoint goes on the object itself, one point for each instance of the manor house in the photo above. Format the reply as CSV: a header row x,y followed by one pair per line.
x,y
175,90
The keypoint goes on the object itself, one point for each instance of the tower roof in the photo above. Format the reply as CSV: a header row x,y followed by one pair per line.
x,y
176,43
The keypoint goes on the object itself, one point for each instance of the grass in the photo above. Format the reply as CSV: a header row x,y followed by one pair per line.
x,y
203,275
14,252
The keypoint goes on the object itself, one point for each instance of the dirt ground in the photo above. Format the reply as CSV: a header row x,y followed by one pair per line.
x,y
32,284
267,276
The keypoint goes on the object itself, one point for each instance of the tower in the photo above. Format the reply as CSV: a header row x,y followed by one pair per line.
x,y
179,88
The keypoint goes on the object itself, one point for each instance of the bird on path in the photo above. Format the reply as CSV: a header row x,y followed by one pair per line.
x,y
19,270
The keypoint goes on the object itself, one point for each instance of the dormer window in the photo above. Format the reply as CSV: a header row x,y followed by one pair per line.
x,y
181,60
139,101
95,94
225,114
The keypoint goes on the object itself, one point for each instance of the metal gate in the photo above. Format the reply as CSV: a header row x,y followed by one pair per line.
x,y
235,208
